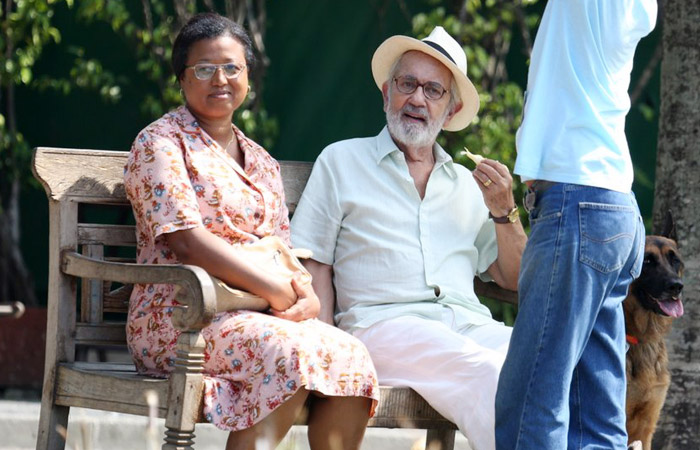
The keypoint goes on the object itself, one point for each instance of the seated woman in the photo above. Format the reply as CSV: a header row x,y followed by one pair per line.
x,y
199,188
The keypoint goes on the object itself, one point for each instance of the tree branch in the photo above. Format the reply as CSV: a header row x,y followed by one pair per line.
x,y
647,74
181,12
522,26
404,10
147,16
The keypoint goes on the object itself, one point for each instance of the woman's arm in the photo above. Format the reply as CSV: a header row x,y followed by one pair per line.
x,y
199,247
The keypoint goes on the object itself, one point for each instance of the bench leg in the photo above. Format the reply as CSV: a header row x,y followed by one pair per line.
x,y
185,393
178,440
51,417
440,440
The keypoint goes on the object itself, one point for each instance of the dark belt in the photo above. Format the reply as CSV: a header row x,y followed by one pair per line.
x,y
541,185
538,186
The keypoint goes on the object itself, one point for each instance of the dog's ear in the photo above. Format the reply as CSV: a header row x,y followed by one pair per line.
x,y
669,230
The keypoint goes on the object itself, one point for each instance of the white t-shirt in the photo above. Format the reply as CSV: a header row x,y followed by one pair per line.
x,y
573,128
392,253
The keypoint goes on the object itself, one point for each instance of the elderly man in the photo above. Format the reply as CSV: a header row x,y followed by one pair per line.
x,y
399,231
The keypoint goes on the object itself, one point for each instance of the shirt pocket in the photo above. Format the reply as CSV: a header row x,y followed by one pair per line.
x,y
607,235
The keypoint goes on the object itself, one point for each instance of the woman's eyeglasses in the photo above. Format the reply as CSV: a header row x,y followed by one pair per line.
x,y
206,71
431,89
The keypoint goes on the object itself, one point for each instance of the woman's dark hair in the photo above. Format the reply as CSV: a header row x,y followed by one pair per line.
x,y
208,26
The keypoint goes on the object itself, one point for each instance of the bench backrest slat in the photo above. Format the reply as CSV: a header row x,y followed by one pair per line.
x,y
96,176
106,234
87,176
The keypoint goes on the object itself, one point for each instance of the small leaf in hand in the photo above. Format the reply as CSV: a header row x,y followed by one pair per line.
x,y
476,158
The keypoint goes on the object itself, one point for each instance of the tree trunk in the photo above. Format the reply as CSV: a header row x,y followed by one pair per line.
x,y
678,189
15,281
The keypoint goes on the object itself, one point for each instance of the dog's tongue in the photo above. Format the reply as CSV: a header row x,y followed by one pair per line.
x,y
674,307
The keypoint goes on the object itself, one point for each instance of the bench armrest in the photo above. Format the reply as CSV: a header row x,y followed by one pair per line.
x,y
197,294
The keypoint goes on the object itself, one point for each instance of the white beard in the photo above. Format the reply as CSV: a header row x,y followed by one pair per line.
x,y
414,134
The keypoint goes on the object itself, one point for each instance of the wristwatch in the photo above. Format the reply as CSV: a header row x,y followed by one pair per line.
x,y
511,217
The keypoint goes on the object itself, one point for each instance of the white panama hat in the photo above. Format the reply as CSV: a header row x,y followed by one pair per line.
x,y
445,49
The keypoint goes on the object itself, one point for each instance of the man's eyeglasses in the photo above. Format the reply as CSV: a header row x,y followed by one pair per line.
x,y
206,71
431,89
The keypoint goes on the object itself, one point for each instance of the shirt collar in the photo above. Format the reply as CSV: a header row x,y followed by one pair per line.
x,y
386,146
188,122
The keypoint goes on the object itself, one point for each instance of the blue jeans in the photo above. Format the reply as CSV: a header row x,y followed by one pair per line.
x,y
563,382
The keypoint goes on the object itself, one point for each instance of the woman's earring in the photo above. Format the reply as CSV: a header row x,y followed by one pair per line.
x,y
248,88
182,94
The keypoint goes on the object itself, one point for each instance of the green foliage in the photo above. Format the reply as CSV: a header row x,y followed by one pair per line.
x,y
25,32
258,125
25,29
15,155
150,32
150,38
647,111
86,74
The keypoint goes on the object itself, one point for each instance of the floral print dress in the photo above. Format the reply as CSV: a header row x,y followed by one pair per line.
x,y
177,177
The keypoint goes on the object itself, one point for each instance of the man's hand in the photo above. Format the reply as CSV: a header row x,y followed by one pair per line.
x,y
307,305
496,184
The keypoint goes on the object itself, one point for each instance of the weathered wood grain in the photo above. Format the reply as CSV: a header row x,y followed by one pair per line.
x,y
90,176
106,234
197,294
108,390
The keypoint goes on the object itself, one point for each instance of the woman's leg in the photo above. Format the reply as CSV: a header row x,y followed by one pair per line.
x,y
269,432
337,422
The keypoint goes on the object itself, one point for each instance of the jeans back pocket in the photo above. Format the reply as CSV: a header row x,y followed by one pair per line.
x,y
607,235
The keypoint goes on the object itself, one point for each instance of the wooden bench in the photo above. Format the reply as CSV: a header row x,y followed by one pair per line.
x,y
91,273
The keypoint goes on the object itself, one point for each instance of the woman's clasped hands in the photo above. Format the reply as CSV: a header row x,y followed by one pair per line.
x,y
302,298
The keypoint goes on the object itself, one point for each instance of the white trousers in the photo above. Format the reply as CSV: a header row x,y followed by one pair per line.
x,y
454,370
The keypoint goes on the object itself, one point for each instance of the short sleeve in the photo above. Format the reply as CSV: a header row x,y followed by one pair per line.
x,y
282,228
316,221
622,24
158,185
487,246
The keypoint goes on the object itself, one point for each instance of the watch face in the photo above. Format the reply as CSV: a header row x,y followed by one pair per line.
x,y
513,215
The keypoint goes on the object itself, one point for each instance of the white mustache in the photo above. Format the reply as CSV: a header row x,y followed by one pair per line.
x,y
415,111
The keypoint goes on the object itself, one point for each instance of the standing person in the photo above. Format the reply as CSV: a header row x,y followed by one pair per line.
x,y
399,231
200,189
563,382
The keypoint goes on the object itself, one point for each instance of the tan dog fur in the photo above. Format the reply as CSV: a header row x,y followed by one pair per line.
x,y
646,322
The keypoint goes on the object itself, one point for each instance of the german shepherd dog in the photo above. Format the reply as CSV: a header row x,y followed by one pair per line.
x,y
653,302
